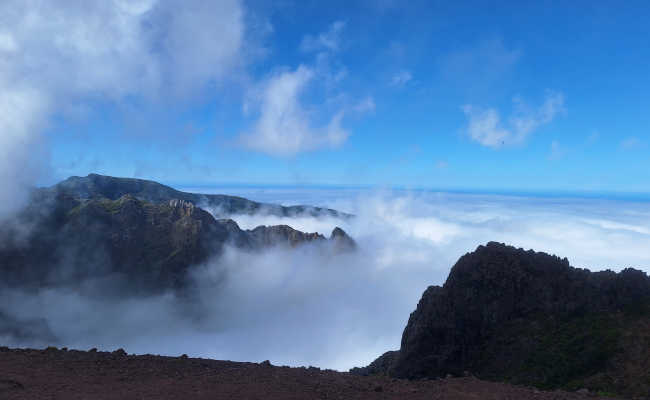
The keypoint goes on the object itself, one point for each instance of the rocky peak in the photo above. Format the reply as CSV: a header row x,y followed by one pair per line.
x,y
531,318
342,240
338,233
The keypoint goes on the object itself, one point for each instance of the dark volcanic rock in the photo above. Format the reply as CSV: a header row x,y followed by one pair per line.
x,y
527,317
381,366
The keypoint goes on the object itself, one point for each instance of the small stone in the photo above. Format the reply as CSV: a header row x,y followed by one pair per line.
x,y
266,363
183,356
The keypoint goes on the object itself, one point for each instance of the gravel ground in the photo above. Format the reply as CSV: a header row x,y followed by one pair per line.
x,y
69,375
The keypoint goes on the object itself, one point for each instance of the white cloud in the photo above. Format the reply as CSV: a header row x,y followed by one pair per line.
x,y
401,78
485,127
287,125
284,127
21,111
54,56
326,41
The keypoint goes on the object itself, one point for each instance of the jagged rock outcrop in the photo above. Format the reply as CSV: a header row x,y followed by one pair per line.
x,y
284,235
527,317
281,235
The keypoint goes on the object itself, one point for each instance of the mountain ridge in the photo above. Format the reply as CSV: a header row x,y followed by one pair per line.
x,y
100,226
97,186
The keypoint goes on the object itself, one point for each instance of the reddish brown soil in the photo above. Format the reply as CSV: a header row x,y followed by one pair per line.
x,y
60,374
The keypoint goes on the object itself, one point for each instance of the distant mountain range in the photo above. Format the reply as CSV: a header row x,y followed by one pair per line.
x,y
101,227
96,186
529,318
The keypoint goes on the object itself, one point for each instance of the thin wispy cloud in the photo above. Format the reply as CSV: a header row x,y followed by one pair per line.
x,y
441,164
486,127
325,41
401,78
593,138
557,151
367,105
631,143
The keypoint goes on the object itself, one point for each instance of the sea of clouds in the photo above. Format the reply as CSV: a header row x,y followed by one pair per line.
x,y
310,306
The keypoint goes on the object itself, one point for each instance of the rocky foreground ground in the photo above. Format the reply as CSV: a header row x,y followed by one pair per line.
x,y
70,374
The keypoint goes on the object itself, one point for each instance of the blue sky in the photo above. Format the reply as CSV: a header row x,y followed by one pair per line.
x,y
531,96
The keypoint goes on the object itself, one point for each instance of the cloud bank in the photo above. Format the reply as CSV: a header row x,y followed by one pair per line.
x,y
308,306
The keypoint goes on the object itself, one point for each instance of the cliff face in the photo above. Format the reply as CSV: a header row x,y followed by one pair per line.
x,y
527,317
151,244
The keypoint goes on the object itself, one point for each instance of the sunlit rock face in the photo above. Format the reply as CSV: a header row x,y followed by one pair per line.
x,y
509,314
